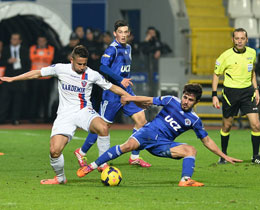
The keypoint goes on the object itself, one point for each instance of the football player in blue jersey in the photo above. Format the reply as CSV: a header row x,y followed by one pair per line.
x,y
115,63
158,137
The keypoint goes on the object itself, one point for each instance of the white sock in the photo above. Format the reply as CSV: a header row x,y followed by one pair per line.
x,y
103,143
93,165
58,166
134,156
102,165
185,178
81,152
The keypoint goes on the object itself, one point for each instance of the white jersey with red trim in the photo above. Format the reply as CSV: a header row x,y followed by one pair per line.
x,y
74,89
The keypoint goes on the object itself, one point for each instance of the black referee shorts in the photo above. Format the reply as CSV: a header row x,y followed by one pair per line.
x,y
235,99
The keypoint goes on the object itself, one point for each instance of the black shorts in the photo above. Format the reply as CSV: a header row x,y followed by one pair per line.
x,y
235,99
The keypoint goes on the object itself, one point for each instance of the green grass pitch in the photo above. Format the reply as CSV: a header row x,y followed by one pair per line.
x,y
26,162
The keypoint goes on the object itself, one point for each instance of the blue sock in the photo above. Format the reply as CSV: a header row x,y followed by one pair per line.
x,y
110,154
188,165
90,140
135,152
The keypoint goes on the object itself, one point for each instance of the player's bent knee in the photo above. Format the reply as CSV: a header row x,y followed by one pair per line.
x,y
226,127
140,124
126,148
255,127
190,150
54,153
139,120
143,123
103,130
129,146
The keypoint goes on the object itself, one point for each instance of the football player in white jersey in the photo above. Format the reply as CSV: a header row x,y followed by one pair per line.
x,y
75,81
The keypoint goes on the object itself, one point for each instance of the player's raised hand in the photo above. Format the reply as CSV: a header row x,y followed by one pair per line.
x,y
126,82
6,79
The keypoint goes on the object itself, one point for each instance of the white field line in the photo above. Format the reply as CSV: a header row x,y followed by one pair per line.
x,y
8,204
36,134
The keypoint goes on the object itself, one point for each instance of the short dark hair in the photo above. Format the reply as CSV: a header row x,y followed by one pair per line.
x,y
150,28
120,23
42,36
239,30
193,88
80,51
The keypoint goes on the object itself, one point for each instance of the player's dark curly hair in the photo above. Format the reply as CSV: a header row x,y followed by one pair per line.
x,y
80,51
193,88
120,23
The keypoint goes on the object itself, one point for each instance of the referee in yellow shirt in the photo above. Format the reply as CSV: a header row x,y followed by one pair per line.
x,y
240,90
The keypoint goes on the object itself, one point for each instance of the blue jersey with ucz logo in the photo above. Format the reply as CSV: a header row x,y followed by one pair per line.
x,y
172,121
118,58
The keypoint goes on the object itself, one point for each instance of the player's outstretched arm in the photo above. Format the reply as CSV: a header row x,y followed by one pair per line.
x,y
119,91
123,81
210,144
26,76
141,101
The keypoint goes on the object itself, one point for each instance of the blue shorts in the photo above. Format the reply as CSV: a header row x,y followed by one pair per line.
x,y
154,143
109,108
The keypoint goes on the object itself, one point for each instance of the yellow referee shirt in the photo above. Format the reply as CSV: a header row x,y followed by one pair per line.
x,y
236,67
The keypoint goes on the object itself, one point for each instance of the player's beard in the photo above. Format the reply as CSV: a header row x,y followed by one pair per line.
x,y
79,71
185,107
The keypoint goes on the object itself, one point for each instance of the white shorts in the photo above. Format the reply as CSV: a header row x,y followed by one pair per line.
x,y
67,123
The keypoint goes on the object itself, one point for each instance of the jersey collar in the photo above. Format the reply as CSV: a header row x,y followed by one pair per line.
x,y
236,51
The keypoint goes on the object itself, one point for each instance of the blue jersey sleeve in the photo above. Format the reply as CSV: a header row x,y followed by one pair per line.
x,y
108,56
106,63
106,70
199,129
162,100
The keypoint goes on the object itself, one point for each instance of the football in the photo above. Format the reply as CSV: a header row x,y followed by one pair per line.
x,y
111,176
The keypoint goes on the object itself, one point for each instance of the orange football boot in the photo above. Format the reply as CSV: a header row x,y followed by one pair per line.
x,y
81,172
190,183
53,181
100,169
82,160
139,161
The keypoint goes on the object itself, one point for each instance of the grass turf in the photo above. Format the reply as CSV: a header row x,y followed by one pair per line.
x,y
26,162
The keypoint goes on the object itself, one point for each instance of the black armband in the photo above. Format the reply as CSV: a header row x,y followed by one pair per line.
x,y
214,93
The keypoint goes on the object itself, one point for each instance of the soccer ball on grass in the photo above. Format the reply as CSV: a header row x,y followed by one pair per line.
x,y
111,176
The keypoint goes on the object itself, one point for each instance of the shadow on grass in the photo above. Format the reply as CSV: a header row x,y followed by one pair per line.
x,y
244,163
128,183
